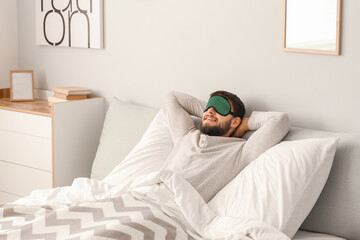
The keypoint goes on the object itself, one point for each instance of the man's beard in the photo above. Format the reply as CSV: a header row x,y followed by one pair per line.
x,y
216,130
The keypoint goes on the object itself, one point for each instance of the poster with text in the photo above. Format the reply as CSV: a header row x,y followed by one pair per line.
x,y
70,23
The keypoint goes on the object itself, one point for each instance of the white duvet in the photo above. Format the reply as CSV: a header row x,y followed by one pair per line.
x,y
173,195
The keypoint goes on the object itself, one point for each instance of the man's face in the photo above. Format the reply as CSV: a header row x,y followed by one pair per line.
x,y
214,124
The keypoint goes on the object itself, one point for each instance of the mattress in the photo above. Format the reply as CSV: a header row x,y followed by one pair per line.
x,y
305,235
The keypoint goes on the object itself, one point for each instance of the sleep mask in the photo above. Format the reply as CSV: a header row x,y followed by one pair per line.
x,y
221,106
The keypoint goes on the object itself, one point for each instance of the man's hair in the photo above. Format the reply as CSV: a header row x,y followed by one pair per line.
x,y
238,105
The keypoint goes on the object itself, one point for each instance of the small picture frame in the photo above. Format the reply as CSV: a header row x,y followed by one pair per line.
x,y
22,85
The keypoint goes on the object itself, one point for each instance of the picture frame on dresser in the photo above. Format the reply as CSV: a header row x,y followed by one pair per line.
x,y
22,85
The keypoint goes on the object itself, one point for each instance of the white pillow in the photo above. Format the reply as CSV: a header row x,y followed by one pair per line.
x,y
147,156
124,125
281,186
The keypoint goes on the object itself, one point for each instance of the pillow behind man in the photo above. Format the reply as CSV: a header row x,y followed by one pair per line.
x,y
281,186
124,125
148,155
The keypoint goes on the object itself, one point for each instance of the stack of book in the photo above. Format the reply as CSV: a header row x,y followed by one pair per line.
x,y
64,94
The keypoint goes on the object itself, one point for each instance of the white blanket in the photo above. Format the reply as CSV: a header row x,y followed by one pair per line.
x,y
173,195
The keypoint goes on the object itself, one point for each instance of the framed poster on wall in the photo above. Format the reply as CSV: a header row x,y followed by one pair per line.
x,y
70,23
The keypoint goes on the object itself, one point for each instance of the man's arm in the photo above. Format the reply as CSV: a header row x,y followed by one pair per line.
x,y
179,107
271,128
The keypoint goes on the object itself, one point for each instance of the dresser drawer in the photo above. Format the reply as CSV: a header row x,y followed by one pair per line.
x,y
7,197
25,123
21,180
26,150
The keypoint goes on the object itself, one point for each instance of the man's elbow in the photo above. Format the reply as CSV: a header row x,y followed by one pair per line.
x,y
284,122
284,117
171,97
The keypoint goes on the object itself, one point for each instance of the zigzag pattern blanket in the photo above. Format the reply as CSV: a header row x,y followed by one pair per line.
x,y
123,217
161,205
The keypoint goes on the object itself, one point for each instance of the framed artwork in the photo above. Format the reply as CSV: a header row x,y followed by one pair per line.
x,y
312,26
70,23
22,85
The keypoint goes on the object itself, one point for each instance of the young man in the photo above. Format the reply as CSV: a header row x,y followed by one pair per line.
x,y
211,156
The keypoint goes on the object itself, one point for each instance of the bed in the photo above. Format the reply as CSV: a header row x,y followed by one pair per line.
x,y
128,198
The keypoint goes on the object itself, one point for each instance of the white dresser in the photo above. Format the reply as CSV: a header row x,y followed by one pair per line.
x,y
43,147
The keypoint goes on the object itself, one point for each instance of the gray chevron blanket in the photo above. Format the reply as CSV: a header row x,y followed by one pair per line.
x,y
161,205
123,217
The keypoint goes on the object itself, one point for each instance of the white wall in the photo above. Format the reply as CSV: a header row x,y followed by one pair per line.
x,y
198,46
8,41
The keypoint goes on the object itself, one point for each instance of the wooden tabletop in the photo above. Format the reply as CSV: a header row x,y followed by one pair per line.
x,y
38,107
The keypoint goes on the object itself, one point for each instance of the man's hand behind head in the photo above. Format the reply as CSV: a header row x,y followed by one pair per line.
x,y
242,128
